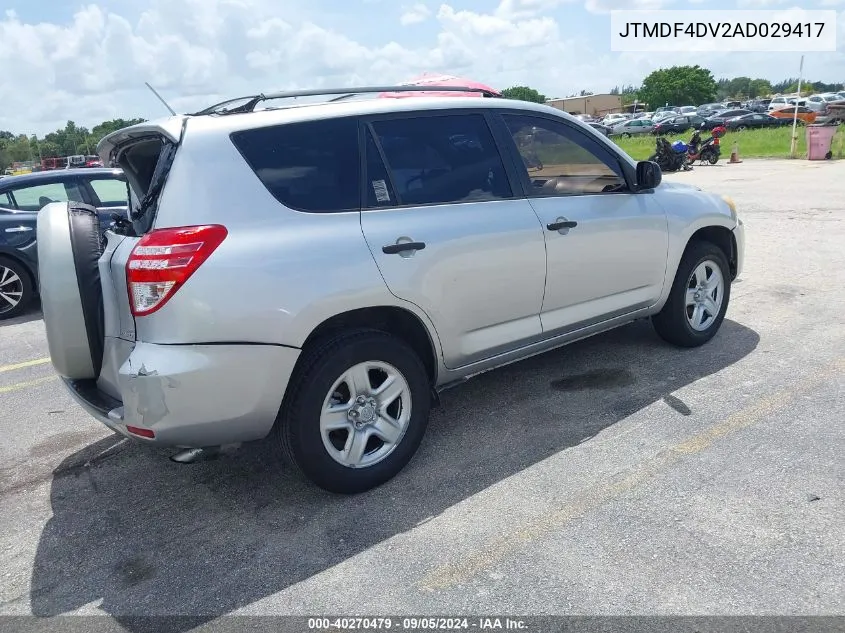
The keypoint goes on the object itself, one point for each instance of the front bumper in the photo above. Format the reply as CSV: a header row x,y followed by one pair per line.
x,y
739,236
194,395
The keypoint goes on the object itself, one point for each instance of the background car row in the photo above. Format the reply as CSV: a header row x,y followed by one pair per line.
x,y
669,119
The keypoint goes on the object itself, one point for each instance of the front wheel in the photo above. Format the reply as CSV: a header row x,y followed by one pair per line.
x,y
712,158
698,299
356,412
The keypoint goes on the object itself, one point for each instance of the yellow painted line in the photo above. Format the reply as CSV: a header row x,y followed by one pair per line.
x,y
29,383
497,549
29,363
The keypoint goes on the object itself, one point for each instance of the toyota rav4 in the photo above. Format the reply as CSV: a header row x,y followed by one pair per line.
x,y
317,273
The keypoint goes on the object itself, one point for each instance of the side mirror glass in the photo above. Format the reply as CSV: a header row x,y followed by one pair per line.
x,y
649,175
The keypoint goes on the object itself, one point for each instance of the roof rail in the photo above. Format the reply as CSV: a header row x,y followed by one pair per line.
x,y
345,93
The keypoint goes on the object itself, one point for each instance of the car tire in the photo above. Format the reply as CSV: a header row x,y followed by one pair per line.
x,y
687,319
354,448
16,289
69,249
626,135
741,128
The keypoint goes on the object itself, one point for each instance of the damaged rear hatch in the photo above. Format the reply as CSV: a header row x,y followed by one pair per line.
x,y
145,152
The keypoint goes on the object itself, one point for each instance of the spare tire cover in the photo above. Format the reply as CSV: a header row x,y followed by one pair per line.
x,y
69,247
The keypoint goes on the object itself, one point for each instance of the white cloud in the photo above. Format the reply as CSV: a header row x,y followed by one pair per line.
x,y
529,31
831,3
606,6
760,4
195,52
415,14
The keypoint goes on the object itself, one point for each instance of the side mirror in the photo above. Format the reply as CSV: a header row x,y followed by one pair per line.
x,y
649,175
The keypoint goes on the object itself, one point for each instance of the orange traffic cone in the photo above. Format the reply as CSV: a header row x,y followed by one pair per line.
x,y
735,154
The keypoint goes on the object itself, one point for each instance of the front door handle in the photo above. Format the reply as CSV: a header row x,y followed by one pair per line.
x,y
401,247
559,225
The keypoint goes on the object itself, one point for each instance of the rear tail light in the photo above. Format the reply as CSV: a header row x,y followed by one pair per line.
x,y
164,259
136,430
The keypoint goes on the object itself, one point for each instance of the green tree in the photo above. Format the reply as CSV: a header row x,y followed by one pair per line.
x,y
759,88
5,156
49,149
523,93
678,85
107,127
738,87
630,94
19,149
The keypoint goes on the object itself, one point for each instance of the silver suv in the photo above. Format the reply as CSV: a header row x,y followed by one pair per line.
x,y
317,273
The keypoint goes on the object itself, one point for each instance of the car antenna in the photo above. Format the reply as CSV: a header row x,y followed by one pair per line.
x,y
153,90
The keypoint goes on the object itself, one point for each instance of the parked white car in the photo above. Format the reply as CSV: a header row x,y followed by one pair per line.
x,y
779,103
818,103
665,114
613,119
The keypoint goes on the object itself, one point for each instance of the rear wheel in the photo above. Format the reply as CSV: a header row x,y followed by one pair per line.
x,y
356,412
16,291
698,299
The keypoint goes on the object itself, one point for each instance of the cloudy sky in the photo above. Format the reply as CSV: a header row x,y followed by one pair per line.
x,y
61,59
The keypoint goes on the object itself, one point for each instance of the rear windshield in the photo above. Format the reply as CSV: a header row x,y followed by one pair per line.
x,y
312,166
146,164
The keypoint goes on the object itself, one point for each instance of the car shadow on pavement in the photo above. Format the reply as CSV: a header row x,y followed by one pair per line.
x,y
140,535
32,314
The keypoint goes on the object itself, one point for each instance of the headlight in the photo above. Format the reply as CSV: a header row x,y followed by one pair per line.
x,y
731,205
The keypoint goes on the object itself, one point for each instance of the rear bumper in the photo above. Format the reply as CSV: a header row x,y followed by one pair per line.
x,y
194,395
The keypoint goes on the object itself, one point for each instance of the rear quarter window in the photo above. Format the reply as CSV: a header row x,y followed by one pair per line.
x,y
110,191
311,166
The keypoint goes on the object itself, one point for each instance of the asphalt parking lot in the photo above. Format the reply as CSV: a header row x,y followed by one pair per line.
x,y
615,476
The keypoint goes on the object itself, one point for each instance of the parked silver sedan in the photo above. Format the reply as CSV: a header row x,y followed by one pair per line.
x,y
633,127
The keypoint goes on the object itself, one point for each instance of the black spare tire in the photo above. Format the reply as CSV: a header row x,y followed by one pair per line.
x,y
69,248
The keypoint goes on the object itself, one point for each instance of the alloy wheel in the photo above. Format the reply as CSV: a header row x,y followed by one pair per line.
x,y
365,414
705,292
11,289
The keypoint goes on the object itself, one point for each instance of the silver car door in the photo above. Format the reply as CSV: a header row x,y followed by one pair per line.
x,y
449,233
607,247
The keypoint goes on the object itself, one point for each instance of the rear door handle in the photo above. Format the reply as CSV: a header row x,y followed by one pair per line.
x,y
561,224
393,249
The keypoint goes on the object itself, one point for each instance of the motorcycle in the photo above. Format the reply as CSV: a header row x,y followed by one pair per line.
x,y
670,157
708,151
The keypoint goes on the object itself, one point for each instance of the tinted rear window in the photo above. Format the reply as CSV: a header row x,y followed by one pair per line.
x,y
311,166
442,159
